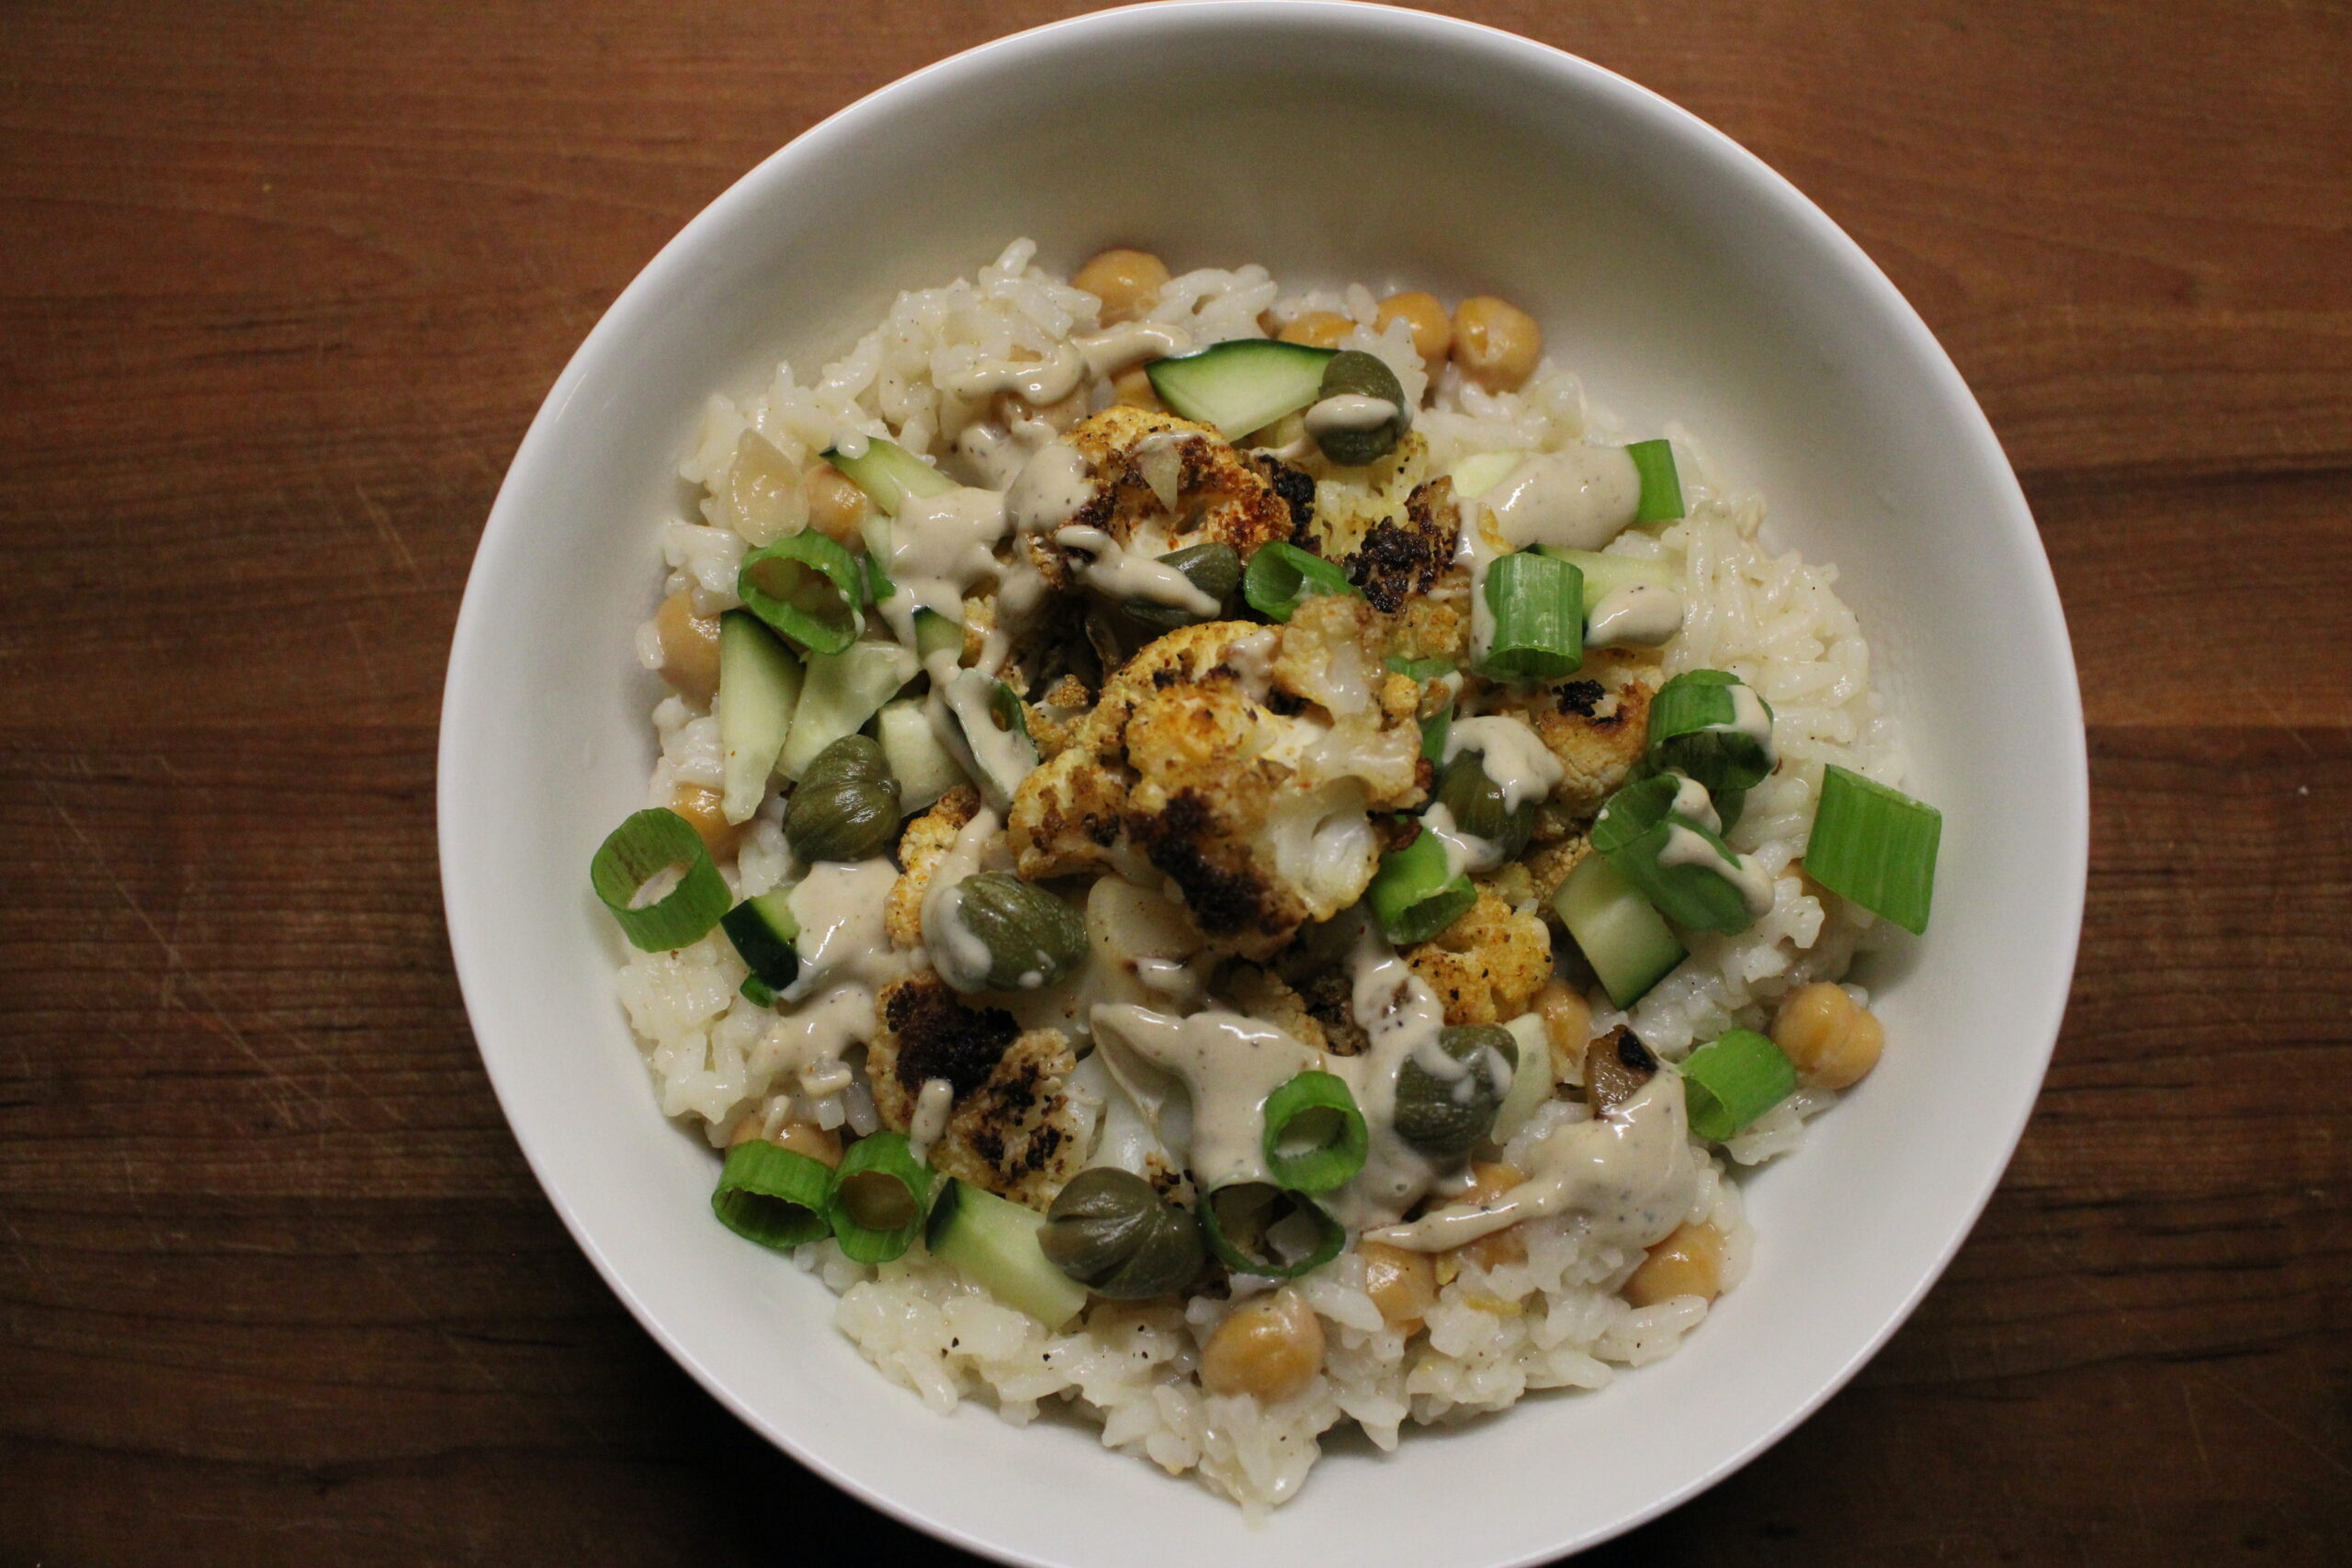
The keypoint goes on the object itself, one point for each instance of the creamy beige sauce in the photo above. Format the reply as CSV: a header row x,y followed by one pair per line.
x,y
1511,754
957,955
1684,847
1130,576
962,705
1578,499
1051,488
846,958
933,1103
1464,851
1130,343
1629,1172
1749,717
1638,614
1692,801
940,548
1037,382
1228,1064
1349,411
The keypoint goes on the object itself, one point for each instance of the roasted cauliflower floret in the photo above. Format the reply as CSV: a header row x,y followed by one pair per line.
x,y
1398,560
923,845
1487,966
1350,502
1162,483
1012,1127
1598,724
1204,759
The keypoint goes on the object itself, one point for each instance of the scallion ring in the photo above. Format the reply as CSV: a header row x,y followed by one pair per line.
x,y
773,1196
1537,601
1709,725
1412,897
1876,846
649,843
1314,1137
1728,1084
1256,1227
807,587
1283,577
1683,867
880,1196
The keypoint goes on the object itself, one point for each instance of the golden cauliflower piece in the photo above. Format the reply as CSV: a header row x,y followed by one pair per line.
x,y
1350,502
1487,966
1012,1128
1598,724
1398,561
1238,762
1220,496
924,845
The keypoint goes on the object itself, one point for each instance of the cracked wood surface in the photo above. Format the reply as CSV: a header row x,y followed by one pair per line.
x,y
281,289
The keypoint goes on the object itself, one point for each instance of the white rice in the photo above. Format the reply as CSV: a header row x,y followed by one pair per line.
x,y
1554,1320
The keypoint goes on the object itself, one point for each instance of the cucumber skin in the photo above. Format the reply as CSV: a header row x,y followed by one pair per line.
x,y
759,682
763,930
993,1241
888,473
1620,933
1241,386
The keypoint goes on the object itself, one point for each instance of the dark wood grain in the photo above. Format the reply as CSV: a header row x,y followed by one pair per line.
x,y
281,286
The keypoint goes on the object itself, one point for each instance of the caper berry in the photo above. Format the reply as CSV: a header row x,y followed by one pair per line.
x,y
1477,802
847,807
1213,568
1029,937
1110,1232
1352,371
1445,1117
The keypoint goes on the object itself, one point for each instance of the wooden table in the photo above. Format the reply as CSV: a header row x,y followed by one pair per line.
x,y
281,286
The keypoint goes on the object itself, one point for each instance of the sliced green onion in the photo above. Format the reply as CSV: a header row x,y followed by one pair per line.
x,y
772,1196
763,929
1661,486
1434,730
1315,1135
1638,829
1876,846
1697,727
1538,605
1255,1227
1419,669
874,582
1730,1083
807,587
878,1199
1411,894
1283,577
936,632
641,849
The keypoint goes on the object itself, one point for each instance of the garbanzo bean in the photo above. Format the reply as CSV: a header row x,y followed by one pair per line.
x,y
1688,1263
836,507
1127,282
1567,1027
1833,1041
800,1137
1317,329
700,807
1132,388
1496,344
1402,1285
1488,1181
1270,1348
689,646
1432,333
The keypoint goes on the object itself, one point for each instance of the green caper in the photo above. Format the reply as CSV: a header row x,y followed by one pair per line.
x,y
1445,1117
845,805
1352,372
1110,1232
1213,568
1477,802
1030,937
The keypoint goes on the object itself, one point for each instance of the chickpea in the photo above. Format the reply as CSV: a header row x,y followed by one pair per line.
x,y
1127,282
1833,1041
1317,329
1489,1180
1432,334
1496,344
1567,1027
800,1137
1688,1263
836,507
1270,1348
700,807
1132,388
1402,1285
689,646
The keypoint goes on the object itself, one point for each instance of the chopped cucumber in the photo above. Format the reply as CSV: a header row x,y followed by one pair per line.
x,y
842,690
924,768
889,474
763,929
1604,574
991,736
1476,475
994,1242
1622,936
759,686
1241,386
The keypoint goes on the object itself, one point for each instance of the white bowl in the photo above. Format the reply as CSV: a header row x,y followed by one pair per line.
x,y
1684,279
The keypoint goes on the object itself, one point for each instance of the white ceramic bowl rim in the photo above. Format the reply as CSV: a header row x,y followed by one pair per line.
x,y
470,704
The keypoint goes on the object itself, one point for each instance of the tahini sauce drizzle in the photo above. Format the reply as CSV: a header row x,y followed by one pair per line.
x,y
846,958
